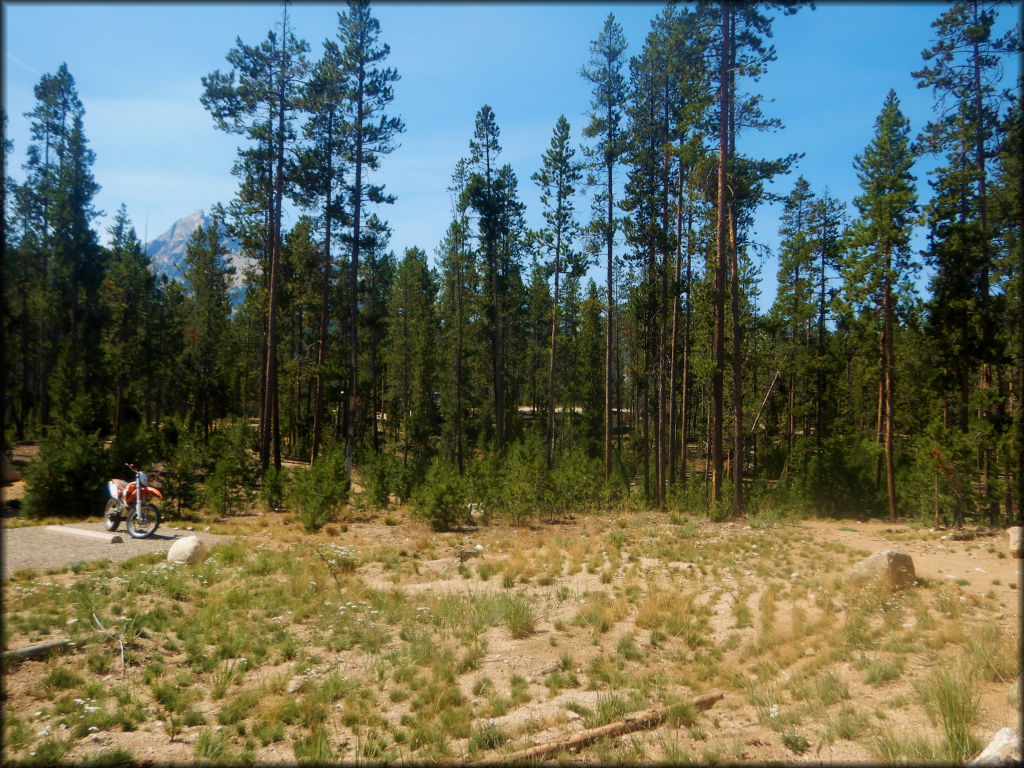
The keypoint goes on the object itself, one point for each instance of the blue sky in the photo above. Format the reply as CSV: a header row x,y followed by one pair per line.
x,y
138,70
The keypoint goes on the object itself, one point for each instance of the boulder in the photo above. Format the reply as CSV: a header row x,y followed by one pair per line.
x,y
1004,749
1014,534
189,549
888,568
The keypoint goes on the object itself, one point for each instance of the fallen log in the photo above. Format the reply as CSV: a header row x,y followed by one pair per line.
x,y
51,646
106,538
648,718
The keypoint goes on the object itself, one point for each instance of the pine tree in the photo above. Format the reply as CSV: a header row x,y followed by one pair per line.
x,y
456,288
880,261
588,373
828,223
557,180
648,194
262,106
59,260
963,69
795,303
689,37
742,52
75,263
6,251
410,353
371,134
165,388
604,71
207,275
322,173
1008,219
301,266
492,192
128,293
377,273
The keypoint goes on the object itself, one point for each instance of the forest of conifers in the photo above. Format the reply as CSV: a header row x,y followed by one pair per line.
x,y
491,368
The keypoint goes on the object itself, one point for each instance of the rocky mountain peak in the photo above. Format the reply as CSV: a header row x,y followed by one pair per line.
x,y
167,252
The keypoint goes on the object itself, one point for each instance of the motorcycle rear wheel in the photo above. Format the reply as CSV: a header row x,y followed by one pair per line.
x,y
112,515
142,523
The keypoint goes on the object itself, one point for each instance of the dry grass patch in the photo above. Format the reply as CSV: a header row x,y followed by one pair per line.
x,y
399,653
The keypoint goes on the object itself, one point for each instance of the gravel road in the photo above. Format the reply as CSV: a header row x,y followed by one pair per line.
x,y
41,549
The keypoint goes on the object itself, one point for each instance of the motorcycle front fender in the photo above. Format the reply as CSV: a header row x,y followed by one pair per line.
x,y
150,491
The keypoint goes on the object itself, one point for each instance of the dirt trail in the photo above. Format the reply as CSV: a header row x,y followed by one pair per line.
x,y
39,549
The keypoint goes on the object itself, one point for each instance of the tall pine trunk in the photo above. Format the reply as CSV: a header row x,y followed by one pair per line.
x,y
325,295
458,365
820,404
269,425
737,366
890,367
551,362
609,338
353,285
496,360
673,344
721,260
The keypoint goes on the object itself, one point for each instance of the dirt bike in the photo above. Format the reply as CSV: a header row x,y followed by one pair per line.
x,y
131,501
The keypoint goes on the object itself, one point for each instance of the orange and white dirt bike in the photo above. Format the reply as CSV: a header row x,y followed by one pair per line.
x,y
132,501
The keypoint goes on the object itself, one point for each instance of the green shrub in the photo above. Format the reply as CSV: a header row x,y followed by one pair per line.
x,y
523,479
273,489
319,491
138,444
179,480
234,443
70,474
841,478
440,498
576,484
381,477
219,491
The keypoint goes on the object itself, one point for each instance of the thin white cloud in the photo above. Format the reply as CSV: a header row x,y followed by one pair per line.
x,y
16,60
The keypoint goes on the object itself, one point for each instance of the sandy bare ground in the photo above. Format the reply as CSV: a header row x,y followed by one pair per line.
x,y
975,572
38,549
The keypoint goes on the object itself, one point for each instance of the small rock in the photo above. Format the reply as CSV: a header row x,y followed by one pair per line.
x,y
189,549
572,715
1004,749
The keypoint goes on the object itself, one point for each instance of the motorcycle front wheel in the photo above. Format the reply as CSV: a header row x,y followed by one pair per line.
x,y
112,515
142,523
